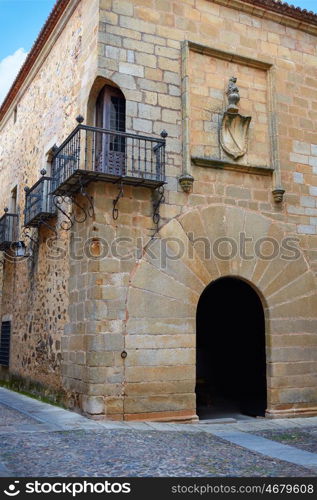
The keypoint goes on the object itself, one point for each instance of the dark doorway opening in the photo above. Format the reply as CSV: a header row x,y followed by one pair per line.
x,y
231,361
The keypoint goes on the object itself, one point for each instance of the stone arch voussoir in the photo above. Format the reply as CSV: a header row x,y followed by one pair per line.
x,y
164,293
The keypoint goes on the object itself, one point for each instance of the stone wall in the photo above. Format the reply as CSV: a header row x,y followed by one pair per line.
x,y
209,77
140,50
35,291
135,306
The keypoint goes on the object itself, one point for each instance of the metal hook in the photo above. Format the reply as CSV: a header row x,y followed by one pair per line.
x,y
79,221
156,205
115,211
58,200
91,208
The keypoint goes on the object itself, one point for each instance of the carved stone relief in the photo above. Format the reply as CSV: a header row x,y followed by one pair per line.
x,y
234,131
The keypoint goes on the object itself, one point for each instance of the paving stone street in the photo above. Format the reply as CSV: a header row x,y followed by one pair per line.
x,y
38,439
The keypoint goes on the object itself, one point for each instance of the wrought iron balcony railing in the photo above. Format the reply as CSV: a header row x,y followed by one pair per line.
x,y
91,153
8,229
39,202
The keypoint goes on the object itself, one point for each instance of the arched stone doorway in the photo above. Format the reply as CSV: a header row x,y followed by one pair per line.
x,y
161,300
231,359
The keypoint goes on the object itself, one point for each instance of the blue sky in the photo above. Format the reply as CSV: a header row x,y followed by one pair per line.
x,y
305,4
21,22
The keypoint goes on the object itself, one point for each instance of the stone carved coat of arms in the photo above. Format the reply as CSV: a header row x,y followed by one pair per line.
x,y
234,129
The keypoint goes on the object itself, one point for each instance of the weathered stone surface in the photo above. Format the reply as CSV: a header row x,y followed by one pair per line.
x,y
93,405
147,305
289,368
298,395
179,386
138,326
160,373
100,358
154,357
159,403
142,303
103,342
148,277
305,306
303,285
286,276
160,341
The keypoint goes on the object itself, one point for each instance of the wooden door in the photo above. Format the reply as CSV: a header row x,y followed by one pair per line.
x,y
110,148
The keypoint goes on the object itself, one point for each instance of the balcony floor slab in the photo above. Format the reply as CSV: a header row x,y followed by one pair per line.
x,y
83,177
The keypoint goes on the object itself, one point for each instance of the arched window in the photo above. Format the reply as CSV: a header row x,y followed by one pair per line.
x,y
110,115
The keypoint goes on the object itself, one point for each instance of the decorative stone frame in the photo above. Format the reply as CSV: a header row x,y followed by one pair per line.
x,y
266,65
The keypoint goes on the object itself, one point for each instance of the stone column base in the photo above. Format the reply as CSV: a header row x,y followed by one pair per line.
x,y
181,416
292,412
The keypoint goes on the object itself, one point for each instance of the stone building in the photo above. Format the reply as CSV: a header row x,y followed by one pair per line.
x,y
160,253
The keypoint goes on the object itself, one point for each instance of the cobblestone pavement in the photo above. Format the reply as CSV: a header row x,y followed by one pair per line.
x,y
50,441
135,453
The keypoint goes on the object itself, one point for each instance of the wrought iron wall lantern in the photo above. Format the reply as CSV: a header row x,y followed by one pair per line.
x,y
12,244
20,250
30,241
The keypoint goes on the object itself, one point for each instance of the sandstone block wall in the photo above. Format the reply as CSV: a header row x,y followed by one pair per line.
x,y
140,50
35,293
135,306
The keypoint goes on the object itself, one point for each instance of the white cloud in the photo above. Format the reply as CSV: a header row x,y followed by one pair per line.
x,y
9,68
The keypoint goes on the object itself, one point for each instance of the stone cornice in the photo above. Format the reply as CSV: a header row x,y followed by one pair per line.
x,y
45,33
285,8
230,165
277,11
230,56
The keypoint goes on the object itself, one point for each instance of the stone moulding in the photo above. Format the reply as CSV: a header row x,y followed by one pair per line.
x,y
292,412
230,165
276,11
265,64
